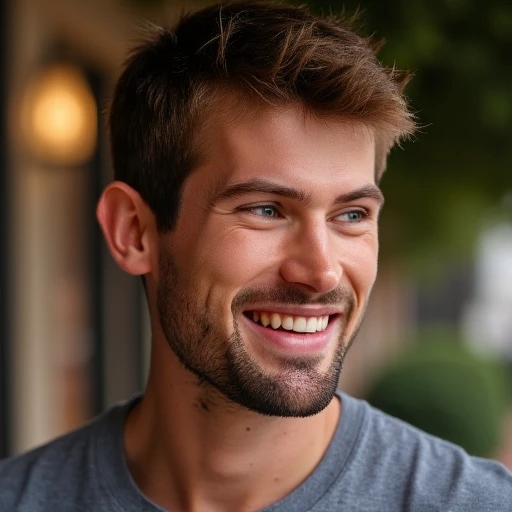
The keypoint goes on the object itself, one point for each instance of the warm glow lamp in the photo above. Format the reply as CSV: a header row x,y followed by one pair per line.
x,y
59,116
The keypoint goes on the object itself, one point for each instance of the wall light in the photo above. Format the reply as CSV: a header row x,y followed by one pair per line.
x,y
59,116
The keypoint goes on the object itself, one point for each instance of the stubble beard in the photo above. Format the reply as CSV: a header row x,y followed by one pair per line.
x,y
222,360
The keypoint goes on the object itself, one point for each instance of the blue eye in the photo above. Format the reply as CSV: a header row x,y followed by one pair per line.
x,y
353,216
264,211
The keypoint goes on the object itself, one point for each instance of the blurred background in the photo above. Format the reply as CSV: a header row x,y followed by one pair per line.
x,y
436,345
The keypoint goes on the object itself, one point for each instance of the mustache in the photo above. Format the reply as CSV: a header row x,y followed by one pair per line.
x,y
290,295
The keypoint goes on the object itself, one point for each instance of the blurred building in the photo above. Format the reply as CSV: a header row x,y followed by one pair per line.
x,y
62,296
487,320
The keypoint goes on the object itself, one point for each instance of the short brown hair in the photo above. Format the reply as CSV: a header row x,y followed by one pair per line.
x,y
274,54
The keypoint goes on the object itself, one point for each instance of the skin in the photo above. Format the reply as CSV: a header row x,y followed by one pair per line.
x,y
195,441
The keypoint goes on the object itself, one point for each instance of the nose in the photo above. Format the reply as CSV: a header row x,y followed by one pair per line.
x,y
311,259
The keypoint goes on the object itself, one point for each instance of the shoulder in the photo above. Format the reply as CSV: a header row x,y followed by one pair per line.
x,y
34,477
64,471
422,472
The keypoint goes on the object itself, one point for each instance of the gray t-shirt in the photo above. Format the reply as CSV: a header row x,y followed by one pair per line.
x,y
374,463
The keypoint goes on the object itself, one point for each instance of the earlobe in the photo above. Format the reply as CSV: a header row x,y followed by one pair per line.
x,y
126,223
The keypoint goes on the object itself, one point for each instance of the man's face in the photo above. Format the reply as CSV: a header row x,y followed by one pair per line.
x,y
264,281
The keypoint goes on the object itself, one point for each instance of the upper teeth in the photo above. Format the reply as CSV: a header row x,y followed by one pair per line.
x,y
291,323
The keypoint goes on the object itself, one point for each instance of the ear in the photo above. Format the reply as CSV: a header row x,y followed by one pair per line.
x,y
128,226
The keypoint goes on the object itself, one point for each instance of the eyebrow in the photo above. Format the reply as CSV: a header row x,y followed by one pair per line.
x,y
263,186
267,187
368,191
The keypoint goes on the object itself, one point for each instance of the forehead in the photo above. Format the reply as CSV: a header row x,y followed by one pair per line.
x,y
289,146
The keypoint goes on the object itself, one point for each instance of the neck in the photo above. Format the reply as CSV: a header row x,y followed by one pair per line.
x,y
189,448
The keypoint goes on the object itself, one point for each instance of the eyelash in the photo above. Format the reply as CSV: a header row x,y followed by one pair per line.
x,y
251,210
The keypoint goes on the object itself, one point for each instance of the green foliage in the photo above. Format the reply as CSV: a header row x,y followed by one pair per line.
x,y
443,389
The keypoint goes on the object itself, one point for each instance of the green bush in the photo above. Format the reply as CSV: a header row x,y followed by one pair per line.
x,y
445,390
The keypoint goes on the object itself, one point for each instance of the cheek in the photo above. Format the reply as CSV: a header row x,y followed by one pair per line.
x,y
360,264
235,257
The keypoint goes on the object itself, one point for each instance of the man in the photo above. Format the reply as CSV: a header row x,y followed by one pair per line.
x,y
248,144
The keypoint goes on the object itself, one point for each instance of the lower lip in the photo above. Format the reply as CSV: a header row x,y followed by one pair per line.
x,y
292,342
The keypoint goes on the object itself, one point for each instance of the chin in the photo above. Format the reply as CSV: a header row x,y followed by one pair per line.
x,y
295,387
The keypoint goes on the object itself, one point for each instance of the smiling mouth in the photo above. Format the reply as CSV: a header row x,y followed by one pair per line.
x,y
295,323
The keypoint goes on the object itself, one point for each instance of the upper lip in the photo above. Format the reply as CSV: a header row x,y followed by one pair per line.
x,y
311,310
